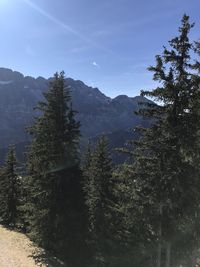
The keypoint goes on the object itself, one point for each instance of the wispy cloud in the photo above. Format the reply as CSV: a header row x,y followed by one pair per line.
x,y
55,20
63,25
95,64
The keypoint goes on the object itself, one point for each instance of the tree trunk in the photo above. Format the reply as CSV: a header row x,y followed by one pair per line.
x,y
159,254
168,254
160,237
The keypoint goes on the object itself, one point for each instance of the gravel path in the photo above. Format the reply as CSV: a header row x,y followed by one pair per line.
x,y
15,250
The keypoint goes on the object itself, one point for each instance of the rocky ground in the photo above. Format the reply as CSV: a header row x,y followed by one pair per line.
x,y
16,250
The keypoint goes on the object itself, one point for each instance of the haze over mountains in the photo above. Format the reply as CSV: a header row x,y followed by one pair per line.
x,y
97,113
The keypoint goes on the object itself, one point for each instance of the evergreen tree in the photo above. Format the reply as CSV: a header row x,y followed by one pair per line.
x,y
9,190
99,196
165,175
54,199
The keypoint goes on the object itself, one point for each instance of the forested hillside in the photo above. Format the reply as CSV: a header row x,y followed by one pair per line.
x,y
88,211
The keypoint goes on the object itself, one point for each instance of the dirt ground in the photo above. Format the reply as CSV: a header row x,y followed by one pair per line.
x,y
16,250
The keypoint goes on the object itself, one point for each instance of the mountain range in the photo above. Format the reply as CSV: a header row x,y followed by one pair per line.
x,y
97,112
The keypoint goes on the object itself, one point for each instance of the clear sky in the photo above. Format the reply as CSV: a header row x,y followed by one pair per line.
x,y
105,43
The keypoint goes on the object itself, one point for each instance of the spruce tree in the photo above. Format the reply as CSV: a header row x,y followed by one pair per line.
x,y
9,190
54,205
99,196
165,175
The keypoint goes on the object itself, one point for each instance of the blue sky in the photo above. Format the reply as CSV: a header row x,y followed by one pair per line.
x,y
105,43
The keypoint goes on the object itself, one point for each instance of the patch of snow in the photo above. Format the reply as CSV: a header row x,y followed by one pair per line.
x,y
5,82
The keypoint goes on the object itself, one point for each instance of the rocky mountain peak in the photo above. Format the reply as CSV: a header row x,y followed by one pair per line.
x,y
96,112
10,75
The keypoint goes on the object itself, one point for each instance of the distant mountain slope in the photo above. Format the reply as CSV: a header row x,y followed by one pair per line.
x,y
97,113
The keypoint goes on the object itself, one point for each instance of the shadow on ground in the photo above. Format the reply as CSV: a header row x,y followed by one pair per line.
x,y
43,258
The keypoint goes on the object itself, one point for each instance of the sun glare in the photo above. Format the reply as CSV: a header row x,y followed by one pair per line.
x,y
3,2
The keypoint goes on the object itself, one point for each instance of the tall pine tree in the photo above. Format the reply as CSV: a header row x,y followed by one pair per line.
x,y
166,178
54,204
9,190
99,197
